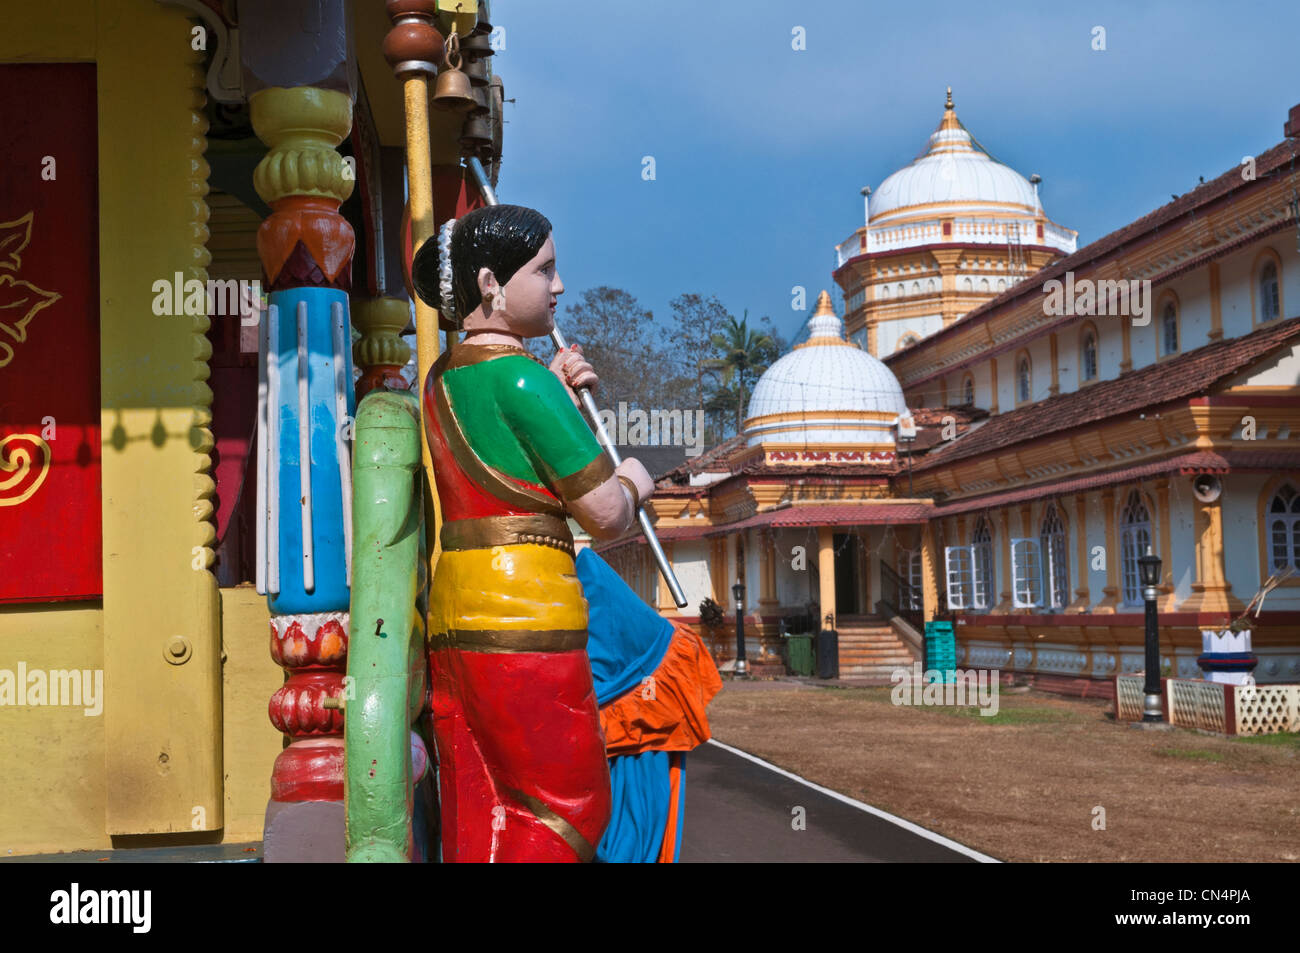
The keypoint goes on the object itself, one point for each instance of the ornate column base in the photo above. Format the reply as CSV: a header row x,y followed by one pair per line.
x,y
305,815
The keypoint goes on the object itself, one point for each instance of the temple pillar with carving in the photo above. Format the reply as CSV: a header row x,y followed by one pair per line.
x,y
1211,592
306,250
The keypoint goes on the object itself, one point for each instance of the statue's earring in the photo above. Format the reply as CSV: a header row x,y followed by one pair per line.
x,y
499,300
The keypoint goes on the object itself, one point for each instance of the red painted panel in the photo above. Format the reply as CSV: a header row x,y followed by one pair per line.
x,y
50,452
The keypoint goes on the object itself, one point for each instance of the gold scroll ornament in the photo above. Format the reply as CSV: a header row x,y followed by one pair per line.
x,y
20,477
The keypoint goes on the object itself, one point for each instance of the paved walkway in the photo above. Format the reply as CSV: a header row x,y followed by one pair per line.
x,y
741,810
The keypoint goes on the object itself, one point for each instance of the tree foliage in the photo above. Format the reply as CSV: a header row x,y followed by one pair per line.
x,y
701,357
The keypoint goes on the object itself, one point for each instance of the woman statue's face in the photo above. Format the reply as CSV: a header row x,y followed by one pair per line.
x,y
531,296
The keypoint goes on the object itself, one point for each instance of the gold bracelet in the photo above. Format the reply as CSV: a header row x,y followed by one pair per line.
x,y
631,488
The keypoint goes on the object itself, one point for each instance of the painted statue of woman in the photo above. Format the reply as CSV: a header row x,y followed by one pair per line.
x,y
522,767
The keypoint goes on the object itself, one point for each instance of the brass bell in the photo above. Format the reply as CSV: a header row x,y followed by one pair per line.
x,y
477,71
476,134
478,45
453,91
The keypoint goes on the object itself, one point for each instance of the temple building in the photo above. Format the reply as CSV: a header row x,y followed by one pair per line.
x,y
1138,393
941,236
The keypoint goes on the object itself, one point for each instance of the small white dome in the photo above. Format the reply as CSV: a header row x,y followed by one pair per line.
x,y
953,171
825,390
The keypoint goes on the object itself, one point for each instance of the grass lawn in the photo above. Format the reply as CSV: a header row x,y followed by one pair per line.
x,y
1025,784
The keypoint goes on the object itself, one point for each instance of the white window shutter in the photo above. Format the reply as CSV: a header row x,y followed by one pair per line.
x,y
957,563
1026,574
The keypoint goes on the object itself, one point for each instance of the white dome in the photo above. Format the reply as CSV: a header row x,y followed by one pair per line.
x,y
953,172
825,390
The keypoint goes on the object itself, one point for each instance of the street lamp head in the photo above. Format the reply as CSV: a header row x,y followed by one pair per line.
x,y
738,590
1149,569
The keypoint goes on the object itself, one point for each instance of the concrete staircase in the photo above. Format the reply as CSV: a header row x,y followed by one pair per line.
x,y
870,649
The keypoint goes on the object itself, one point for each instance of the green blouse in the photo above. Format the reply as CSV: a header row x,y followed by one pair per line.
x,y
518,418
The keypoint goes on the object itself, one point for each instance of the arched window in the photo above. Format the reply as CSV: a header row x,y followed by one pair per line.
x,y
968,391
931,286
916,287
907,340
900,289
884,291
965,284
984,284
1270,299
1002,284
1169,329
1088,355
1023,388
1134,540
1284,528
982,563
1056,566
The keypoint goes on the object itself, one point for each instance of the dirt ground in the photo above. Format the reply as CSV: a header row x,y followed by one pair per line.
x,y
1024,785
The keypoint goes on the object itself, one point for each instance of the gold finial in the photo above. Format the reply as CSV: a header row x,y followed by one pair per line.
x,y
824,305
948,104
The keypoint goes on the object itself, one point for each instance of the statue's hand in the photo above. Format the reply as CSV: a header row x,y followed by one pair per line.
x,y
634,470
573,369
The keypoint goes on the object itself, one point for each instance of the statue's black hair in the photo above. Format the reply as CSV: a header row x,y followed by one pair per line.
x,y
503,238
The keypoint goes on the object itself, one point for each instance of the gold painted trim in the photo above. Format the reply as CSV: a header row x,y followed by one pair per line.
x,y
579,484
824,342
512,640
466,354
804,415
490,531
563,829
491,479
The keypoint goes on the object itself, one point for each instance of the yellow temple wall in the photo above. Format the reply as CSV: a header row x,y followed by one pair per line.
x,y
52,781
181,753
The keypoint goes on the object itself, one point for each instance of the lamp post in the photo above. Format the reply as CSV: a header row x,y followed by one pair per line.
x,y
742,667
1149,570
907,436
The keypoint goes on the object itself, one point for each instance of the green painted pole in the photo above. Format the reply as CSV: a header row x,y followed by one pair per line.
x,y
386,644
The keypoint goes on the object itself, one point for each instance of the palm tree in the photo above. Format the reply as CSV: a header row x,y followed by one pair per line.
x,y
746,354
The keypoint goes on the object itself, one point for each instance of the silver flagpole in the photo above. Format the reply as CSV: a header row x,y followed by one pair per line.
x,y
593,414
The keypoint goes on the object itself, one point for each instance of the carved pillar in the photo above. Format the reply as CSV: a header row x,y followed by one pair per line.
x,y
664,601
1111,591
1003,524
1216,303
929,574
1211,592
1083,598
1056,368
1167,599
380,353
767,600
826,571
306,249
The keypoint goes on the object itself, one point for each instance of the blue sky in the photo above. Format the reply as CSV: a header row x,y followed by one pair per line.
x,y
761,150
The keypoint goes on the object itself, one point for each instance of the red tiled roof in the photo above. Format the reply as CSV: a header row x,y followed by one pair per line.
x,y
832,514
713,459
1203,461
1279,155
1180,377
